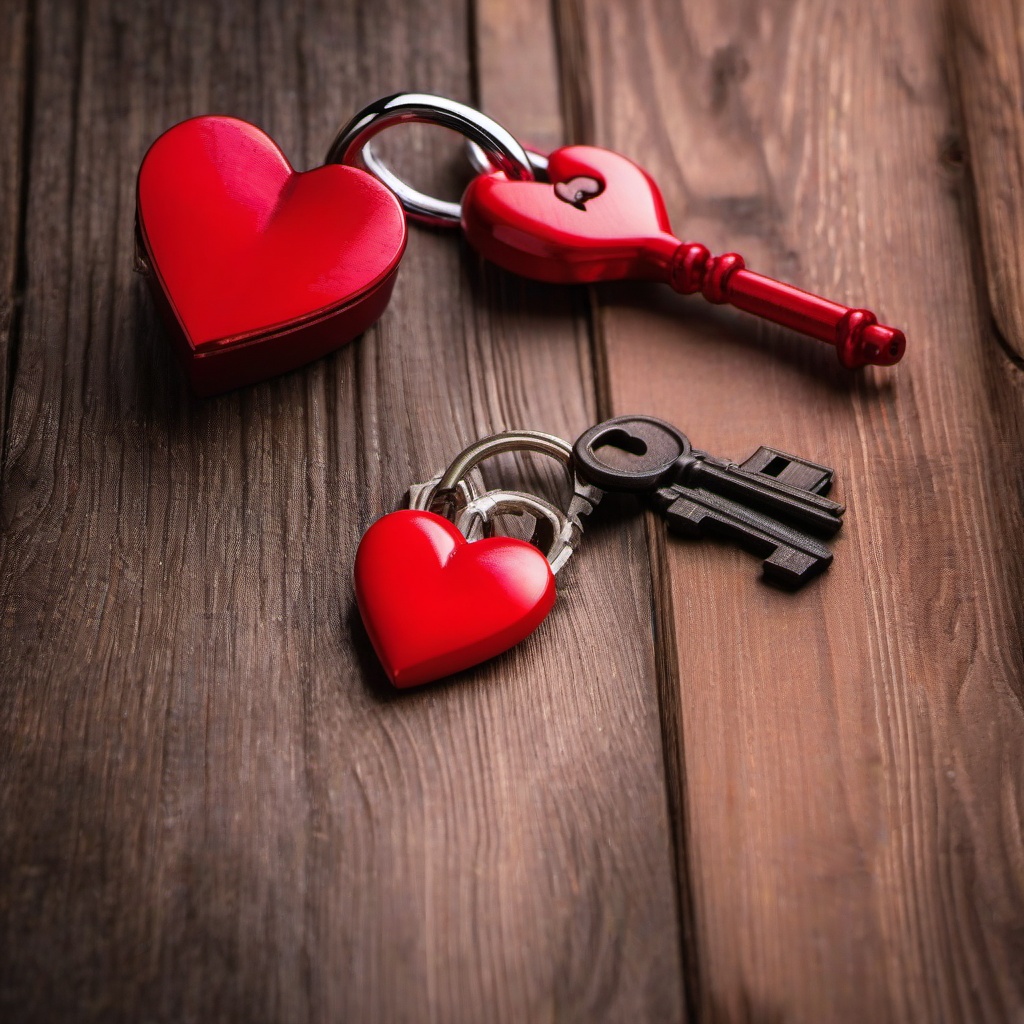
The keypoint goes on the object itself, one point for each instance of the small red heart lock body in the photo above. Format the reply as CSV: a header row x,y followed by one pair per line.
x,y
258,268
434,603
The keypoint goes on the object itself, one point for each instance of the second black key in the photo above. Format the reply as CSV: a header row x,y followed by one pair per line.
x,y
772,504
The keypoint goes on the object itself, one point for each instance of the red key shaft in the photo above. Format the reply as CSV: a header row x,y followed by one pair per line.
x,y
858,337
602,218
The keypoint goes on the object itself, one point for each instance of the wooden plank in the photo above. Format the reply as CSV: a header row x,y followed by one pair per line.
x,y
988,41
522,64
211,805
852,754
519,70
13,99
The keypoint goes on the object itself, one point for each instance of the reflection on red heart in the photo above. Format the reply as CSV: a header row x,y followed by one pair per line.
x,y
435,604
620,229
259,268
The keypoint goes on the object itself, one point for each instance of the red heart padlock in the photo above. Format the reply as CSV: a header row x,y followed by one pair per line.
x,y
434,604
259,268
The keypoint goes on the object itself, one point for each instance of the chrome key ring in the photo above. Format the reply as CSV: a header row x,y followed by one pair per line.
x,y
453,495
552,532
351,146
476,511
497,444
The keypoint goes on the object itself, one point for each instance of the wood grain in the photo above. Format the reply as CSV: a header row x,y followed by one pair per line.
x,y
852,754
13,101
988,43
776,807
211,806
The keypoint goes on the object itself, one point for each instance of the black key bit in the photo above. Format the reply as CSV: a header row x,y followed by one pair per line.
x,y
770,504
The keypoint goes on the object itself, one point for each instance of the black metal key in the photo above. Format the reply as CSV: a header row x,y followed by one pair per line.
x,y
772,504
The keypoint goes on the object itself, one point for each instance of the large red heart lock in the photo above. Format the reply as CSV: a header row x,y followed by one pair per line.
x,y
259,268
434,604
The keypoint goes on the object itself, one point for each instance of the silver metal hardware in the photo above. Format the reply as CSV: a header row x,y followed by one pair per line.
x,y
350,146
483,164
454,495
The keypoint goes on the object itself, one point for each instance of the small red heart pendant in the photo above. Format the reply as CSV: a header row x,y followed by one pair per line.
x,y
600,218
434,604
259,268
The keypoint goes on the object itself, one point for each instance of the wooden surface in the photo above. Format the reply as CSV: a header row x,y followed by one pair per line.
x,y
988,46
688,796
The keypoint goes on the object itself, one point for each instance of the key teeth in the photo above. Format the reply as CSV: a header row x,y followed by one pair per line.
x,y
688,516
792,568
583,502
786,561
796,471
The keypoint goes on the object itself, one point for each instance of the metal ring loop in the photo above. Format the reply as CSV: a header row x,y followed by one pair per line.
x,y
497,444
483,164
421,496
553,533
454,495
350,146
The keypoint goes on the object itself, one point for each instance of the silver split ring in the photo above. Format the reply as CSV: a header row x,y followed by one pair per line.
x,y
553,531
350,146
453,495
446,492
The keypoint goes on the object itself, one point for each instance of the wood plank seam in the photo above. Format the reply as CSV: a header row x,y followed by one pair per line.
x,y
11,306
576,94
569,83
840,786
959,158
672,733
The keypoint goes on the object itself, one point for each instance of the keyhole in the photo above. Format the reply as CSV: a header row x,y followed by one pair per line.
x,y
577,191
617,445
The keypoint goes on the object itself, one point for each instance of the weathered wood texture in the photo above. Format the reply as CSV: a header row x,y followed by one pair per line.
x,y
988,41
13,75
853,755
690,796
211,807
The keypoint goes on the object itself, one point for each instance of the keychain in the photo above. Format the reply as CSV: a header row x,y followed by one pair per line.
x,y
258,268
438,593
436,598
597,216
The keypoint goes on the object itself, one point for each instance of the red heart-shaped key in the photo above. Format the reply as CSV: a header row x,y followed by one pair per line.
x,y
434,604
259,268
600,217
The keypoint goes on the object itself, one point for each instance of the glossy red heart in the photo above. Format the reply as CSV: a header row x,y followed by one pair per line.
x,y
435,604
257,267
599,218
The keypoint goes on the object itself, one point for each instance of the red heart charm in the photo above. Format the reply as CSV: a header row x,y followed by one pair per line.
x,y
259,268
435,604
599,218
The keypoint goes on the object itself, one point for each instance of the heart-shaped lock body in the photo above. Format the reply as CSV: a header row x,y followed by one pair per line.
x,y
434,604
600,217
259,268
